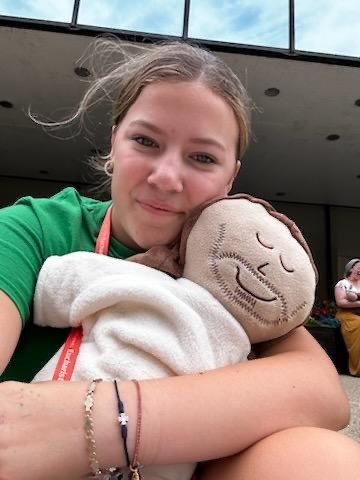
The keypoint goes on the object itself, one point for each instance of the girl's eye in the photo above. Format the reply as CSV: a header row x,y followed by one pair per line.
x,y
203,158
145,141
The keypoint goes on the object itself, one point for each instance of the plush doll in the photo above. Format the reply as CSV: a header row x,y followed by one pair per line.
x,y
241,274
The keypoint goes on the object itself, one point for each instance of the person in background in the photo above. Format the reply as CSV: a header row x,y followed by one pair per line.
x,y
180,126
347,298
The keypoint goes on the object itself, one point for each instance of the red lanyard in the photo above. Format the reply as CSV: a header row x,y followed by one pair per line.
x,y
66,363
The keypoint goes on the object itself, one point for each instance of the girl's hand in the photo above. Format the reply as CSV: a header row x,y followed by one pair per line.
x,y
351,296
41,426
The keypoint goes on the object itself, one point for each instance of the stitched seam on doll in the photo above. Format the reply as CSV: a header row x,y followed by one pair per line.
x,y
298,308
241,297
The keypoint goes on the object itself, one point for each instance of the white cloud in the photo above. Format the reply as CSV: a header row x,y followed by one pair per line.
x,y
328,26
60,11
254,22
156,16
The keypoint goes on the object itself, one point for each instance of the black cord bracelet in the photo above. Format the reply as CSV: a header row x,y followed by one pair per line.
x,y
123,420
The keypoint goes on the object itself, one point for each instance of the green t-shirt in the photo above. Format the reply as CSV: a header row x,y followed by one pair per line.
x,y
31,230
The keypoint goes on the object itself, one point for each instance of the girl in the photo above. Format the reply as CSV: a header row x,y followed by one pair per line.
x,y
180,127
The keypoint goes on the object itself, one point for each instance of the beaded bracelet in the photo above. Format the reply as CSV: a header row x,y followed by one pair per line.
x,y
89,428
112,473
123,419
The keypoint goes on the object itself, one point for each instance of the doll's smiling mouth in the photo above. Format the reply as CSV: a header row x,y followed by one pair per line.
x,y
249,291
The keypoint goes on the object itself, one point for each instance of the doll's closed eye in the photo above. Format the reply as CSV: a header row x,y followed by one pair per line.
x,y
287,269
266,245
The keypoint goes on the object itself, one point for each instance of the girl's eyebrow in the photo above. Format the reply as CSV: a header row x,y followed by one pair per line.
x,y
208,141
146,124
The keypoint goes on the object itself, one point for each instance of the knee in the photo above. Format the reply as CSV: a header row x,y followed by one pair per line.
x,y
307,452
298,453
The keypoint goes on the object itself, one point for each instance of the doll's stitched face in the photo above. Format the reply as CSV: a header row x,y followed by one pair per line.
x,y
253,280
253,266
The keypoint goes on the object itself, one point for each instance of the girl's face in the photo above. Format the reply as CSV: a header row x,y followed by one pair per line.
x,y
175,149
355,271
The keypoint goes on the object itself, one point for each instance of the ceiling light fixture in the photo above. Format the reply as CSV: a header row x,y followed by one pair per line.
x,y
272,92
332,137
6,104
82,72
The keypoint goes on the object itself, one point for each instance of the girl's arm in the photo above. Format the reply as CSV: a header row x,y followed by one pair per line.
x,y
10,329
188,418
342,301
224,411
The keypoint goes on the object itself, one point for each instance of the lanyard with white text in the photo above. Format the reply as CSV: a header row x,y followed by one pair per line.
x,y
66,363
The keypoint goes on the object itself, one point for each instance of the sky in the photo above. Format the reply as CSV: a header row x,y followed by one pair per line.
x,y
323,26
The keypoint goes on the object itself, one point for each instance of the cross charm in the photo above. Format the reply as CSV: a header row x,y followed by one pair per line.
x,y
123,419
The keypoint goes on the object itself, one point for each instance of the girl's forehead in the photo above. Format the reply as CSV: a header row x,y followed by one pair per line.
x,y
186,98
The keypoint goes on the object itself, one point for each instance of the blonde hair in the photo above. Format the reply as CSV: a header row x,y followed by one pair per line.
x,y
127,68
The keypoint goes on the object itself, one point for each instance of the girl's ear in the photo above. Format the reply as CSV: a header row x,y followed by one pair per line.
x,y
233,176
113,132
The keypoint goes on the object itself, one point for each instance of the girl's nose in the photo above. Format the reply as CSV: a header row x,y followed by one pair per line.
x,y
167,174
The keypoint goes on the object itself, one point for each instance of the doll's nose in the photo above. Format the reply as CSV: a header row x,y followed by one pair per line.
x,y
260,268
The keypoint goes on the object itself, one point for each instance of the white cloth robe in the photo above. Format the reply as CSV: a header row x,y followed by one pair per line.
x,y
138,323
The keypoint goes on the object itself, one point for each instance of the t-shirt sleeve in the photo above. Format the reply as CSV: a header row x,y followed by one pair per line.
x,y
21,254
343,284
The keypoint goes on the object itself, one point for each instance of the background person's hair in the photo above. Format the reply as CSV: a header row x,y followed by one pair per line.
x,y
349,266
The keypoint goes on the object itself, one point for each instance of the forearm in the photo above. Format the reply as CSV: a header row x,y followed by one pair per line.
x,y
198,417
188,418
344,303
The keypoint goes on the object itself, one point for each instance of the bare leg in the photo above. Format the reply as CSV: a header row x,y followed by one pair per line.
x,y
300,453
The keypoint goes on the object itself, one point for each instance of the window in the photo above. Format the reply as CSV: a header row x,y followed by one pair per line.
x,y
328,26
52,10
249,22
148,16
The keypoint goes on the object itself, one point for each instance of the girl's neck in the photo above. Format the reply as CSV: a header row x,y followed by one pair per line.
x,y
354,280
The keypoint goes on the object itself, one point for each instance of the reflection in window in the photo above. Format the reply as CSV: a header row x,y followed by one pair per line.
x,y
53,10
148,16
251,22
328,26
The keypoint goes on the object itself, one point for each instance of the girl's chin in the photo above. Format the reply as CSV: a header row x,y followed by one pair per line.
x,y
144,244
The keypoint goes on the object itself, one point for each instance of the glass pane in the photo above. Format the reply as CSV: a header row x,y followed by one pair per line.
x,y
251,22
328,26
149,16
53,10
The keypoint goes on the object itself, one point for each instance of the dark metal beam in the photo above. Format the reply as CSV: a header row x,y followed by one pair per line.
x,y
292,26
92,31
75,14
186,19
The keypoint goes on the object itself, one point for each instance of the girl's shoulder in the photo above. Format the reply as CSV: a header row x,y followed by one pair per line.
x,y
66,199
344,283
